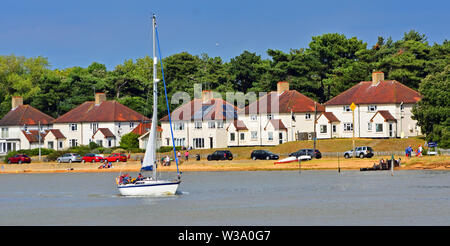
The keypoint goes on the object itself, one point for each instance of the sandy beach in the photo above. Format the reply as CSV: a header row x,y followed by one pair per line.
x,y
326,163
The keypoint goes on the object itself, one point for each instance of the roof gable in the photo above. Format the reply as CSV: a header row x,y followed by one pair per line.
x,y
107,111
287,102
25,115
384,92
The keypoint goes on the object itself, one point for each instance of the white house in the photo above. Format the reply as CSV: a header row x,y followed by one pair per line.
x,y
382,110
99,121
200,123
20,120
277,117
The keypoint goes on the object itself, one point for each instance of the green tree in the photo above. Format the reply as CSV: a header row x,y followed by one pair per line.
x,y
129,141
433,110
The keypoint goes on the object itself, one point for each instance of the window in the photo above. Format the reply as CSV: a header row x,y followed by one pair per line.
x,y
131,124
219,124
270,116
211,124
242,136
50,144
254,117
379,127
73,127
178,126
307,116
270,136
334,129
73,142
347,108
179,141
60,144
99,143
119,124
323,128
348,127
369,126
94,127
5,133
109,143
199,143
232,136
372,108
254,135
198,125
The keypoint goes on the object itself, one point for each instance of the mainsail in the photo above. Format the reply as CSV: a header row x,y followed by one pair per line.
x,y
149,161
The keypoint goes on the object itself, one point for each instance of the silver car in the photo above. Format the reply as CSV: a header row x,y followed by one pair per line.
x,y
69,157
361,152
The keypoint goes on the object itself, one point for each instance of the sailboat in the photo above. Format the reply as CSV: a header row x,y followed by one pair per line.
x,y
151,185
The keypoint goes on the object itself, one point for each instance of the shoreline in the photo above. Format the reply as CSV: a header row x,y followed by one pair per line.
x,y
326,163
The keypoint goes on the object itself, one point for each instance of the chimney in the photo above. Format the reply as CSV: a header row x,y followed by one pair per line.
x,y
207,96
16,102
377,77
99,98
282,86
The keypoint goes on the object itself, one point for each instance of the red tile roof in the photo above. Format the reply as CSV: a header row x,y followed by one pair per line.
x,y
105,131
107,111
330,116
385,114
142,128
385,92
277,124
288,101
239,125
25,115
33,135
57,133
215,109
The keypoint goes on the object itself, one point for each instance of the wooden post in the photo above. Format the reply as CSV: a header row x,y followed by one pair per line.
x,y
339,167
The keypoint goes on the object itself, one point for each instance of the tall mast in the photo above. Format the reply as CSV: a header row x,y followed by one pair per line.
x,y
155,97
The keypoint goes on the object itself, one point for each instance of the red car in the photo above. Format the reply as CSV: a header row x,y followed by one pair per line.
x,y
19,159
92,158
116,157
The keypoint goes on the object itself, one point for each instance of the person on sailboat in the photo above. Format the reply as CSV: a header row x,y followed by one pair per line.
x,y
140,177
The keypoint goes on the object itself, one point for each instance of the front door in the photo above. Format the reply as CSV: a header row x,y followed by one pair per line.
x,y
391,130
211,142
280,137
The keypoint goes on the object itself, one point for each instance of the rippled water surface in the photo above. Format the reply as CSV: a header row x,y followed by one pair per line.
x,y
232,198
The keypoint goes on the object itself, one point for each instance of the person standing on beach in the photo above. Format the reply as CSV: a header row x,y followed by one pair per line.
x,y
186,155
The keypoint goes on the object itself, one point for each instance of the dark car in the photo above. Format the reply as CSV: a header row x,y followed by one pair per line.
x,y
91,157
263,155
19,159
308,152
220,155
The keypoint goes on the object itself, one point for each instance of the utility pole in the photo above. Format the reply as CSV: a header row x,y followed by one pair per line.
x,y
315,118
352,107
39,136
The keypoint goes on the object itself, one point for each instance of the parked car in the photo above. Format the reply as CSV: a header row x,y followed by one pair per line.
x,y
115,157
220,155
361,152
69,157
307,152
19,159
91,157
263,155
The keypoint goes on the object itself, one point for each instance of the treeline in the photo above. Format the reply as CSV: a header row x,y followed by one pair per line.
x,y
329,65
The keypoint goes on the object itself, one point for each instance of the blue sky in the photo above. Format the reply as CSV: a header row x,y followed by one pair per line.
x,y
77,33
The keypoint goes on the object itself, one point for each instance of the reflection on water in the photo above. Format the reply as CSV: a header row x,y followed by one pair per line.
x,y
232,198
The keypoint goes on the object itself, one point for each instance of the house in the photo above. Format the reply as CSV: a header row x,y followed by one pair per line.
x,y
199,123
99,121
277,117
19,123
143,131
383,110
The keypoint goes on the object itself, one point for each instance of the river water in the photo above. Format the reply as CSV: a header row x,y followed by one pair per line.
x,y
232,198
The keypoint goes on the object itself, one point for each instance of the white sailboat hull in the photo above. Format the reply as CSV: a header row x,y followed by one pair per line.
x,y
149,188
